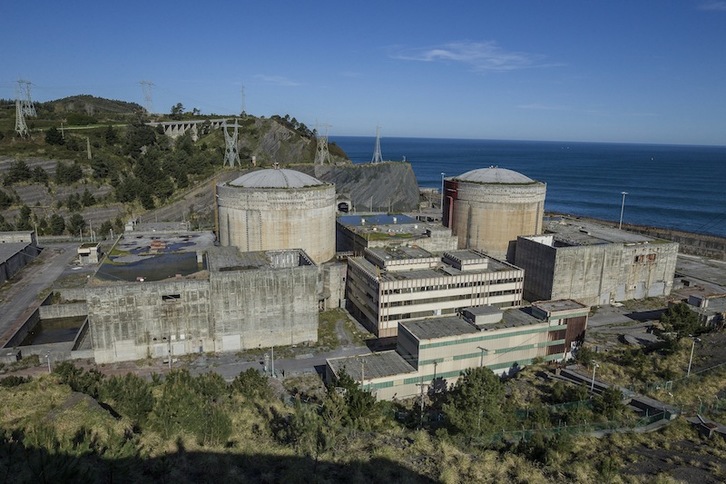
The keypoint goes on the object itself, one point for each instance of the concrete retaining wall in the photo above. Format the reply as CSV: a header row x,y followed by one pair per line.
x,y
71,310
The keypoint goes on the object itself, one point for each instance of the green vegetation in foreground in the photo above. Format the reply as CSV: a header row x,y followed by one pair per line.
x,y
82,425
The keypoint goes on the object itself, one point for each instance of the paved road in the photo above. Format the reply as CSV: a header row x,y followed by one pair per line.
x,y
229,366
23,290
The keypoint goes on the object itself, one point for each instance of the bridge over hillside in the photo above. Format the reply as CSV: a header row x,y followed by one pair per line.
x,y
174,129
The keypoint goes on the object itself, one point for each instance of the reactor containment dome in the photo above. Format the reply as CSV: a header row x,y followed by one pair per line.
x,y
278,209
488,208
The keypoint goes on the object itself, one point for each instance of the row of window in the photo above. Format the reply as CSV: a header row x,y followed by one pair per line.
x,y
458,297
453,285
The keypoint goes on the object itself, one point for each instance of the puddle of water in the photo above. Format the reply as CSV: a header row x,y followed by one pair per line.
x,y
59,330
155,268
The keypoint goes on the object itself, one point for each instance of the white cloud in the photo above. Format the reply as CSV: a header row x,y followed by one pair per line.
x,y
481,56
715,5
277,80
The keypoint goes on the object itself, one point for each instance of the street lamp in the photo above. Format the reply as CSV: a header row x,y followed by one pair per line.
x,y
481,358
442,193
592,384
690,360
622,208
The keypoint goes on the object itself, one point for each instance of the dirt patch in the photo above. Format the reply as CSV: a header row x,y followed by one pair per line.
x,y
685,460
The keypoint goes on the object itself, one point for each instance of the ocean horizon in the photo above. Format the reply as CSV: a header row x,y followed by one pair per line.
x,y
670,186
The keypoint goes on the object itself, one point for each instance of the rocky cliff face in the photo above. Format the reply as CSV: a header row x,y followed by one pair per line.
x,y
384,187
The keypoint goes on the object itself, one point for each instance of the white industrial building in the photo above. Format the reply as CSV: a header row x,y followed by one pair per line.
x,y
396,284
434,352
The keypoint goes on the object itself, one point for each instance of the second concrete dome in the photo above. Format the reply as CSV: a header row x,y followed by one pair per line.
x,y
488,208
278,209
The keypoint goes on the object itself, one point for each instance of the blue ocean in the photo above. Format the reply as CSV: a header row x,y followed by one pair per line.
x,y
673,186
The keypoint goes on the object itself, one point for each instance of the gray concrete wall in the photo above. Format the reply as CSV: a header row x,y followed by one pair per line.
x,y
16,262
63,310
596,274
538,262
26,328
138,320
334,284
72,294
264,307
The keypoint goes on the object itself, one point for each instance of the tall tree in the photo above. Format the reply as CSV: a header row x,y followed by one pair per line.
x,y
57,224
54,137
476,404
76,223
680,320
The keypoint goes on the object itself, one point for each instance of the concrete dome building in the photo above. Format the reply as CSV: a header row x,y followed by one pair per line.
x,y
488,208
278,209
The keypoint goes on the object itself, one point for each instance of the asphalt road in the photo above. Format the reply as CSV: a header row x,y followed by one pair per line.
x,y
23,290
229,365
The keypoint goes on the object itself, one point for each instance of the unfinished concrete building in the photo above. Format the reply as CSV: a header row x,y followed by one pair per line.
x,y
489,207
275,209
594,264
186,296
392,285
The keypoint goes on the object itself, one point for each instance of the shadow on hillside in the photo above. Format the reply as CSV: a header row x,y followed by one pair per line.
x,y
26,464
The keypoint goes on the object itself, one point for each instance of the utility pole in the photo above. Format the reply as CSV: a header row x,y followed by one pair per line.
x,y
422,385
690,360
592,384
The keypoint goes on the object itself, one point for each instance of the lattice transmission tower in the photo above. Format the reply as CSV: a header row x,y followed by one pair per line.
x,y
146,90
323,154
377,156
23,107
231,153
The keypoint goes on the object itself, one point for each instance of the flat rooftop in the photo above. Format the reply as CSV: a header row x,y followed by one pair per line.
x,y
559,305
376,219
154,257
385,226
400,253
435,328
371,366
224,259
442,270
577,232
9,249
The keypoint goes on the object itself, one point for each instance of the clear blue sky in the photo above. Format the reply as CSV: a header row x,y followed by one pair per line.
x,y
574,70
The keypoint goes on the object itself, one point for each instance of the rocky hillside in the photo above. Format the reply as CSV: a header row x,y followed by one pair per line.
x,y
381,187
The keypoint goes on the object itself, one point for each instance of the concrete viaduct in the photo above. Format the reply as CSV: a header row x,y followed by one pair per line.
x,y
174,129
